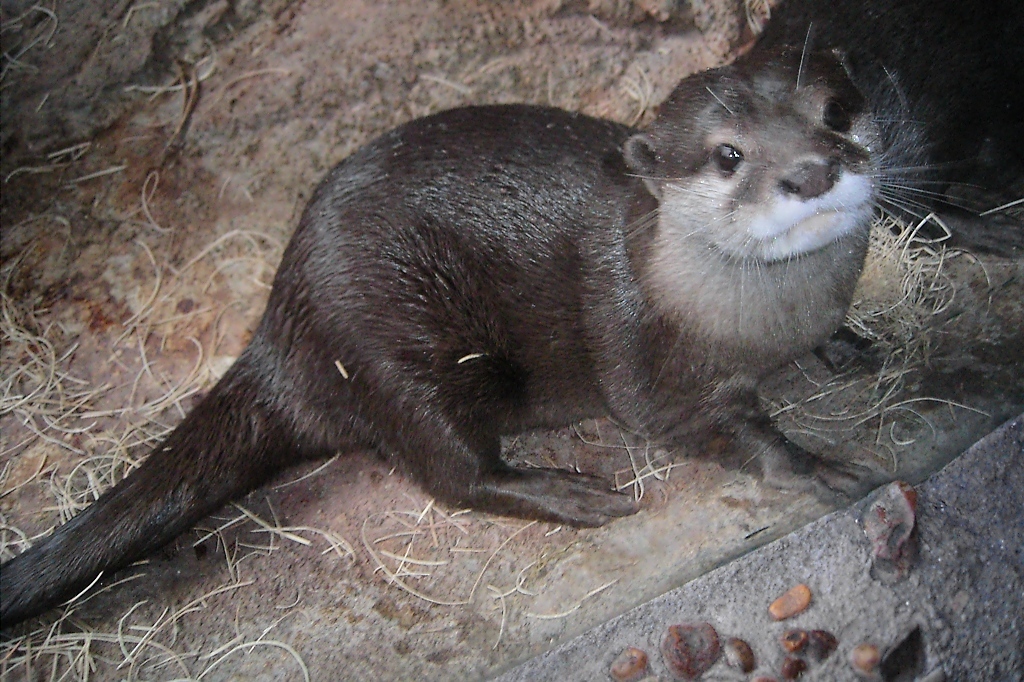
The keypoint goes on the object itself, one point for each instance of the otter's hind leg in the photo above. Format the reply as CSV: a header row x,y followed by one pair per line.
x,y
464,467
551,495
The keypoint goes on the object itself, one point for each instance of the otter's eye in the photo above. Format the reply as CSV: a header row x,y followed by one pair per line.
x,y
835,117
727,158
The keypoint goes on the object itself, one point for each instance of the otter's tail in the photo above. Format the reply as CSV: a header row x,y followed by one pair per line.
x,y
226,446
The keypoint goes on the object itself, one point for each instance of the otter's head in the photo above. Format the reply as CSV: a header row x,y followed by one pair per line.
x,y
765,159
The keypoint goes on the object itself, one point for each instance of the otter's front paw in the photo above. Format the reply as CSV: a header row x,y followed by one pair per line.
x,y
790,467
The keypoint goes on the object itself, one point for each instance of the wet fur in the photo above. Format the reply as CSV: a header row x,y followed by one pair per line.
x,y
529,244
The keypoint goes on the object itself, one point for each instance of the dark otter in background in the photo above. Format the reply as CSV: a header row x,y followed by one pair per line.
x,y
488,270
945,82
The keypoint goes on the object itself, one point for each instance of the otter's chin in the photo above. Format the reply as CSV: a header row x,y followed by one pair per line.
x,y
812,233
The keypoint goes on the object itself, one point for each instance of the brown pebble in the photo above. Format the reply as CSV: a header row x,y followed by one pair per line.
x,y
794,641
689,650
793,668
630,665
821,644
762,678
795,601
865,659
738,654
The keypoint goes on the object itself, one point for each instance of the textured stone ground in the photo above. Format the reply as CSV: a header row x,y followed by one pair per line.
x,y
964,594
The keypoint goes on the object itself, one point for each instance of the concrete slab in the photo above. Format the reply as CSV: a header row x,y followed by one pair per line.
x,y
964,595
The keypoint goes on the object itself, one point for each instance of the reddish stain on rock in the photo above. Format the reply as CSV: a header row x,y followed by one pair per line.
x,y
690,649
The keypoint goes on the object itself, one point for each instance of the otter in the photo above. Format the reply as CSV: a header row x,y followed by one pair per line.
x,y
492,269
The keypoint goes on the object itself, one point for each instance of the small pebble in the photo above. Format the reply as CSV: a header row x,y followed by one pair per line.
x,y
762,678
889,525
794,641
792,668
630,665
689,650
738,654
821,644
795,601
865,659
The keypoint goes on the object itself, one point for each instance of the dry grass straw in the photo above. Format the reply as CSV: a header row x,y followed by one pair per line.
x,y
641,91
646,461
448,559
335,543
41,396
903,303
758,13
24,33
144,645
63,421
56,160
201,72
428,552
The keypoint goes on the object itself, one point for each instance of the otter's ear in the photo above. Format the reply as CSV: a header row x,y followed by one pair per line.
x,y
641,155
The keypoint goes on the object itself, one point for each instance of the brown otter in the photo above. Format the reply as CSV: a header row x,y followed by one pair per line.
x,y
488,270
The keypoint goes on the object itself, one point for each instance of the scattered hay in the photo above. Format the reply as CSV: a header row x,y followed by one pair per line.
x,y
141,647
903,304
57,160
337,544
71,447
204,69
33,386
448,83
575,607
443,558
99,174
758,13
657,462
429,548
25,35
905,290
641,91
145,645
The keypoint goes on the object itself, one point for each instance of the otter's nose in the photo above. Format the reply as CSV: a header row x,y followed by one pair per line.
x,y
810,179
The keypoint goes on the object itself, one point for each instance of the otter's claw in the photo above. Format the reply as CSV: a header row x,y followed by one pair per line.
x,y
793,468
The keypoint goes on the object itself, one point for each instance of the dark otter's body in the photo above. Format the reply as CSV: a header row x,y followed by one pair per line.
x,y
945,80
493,269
